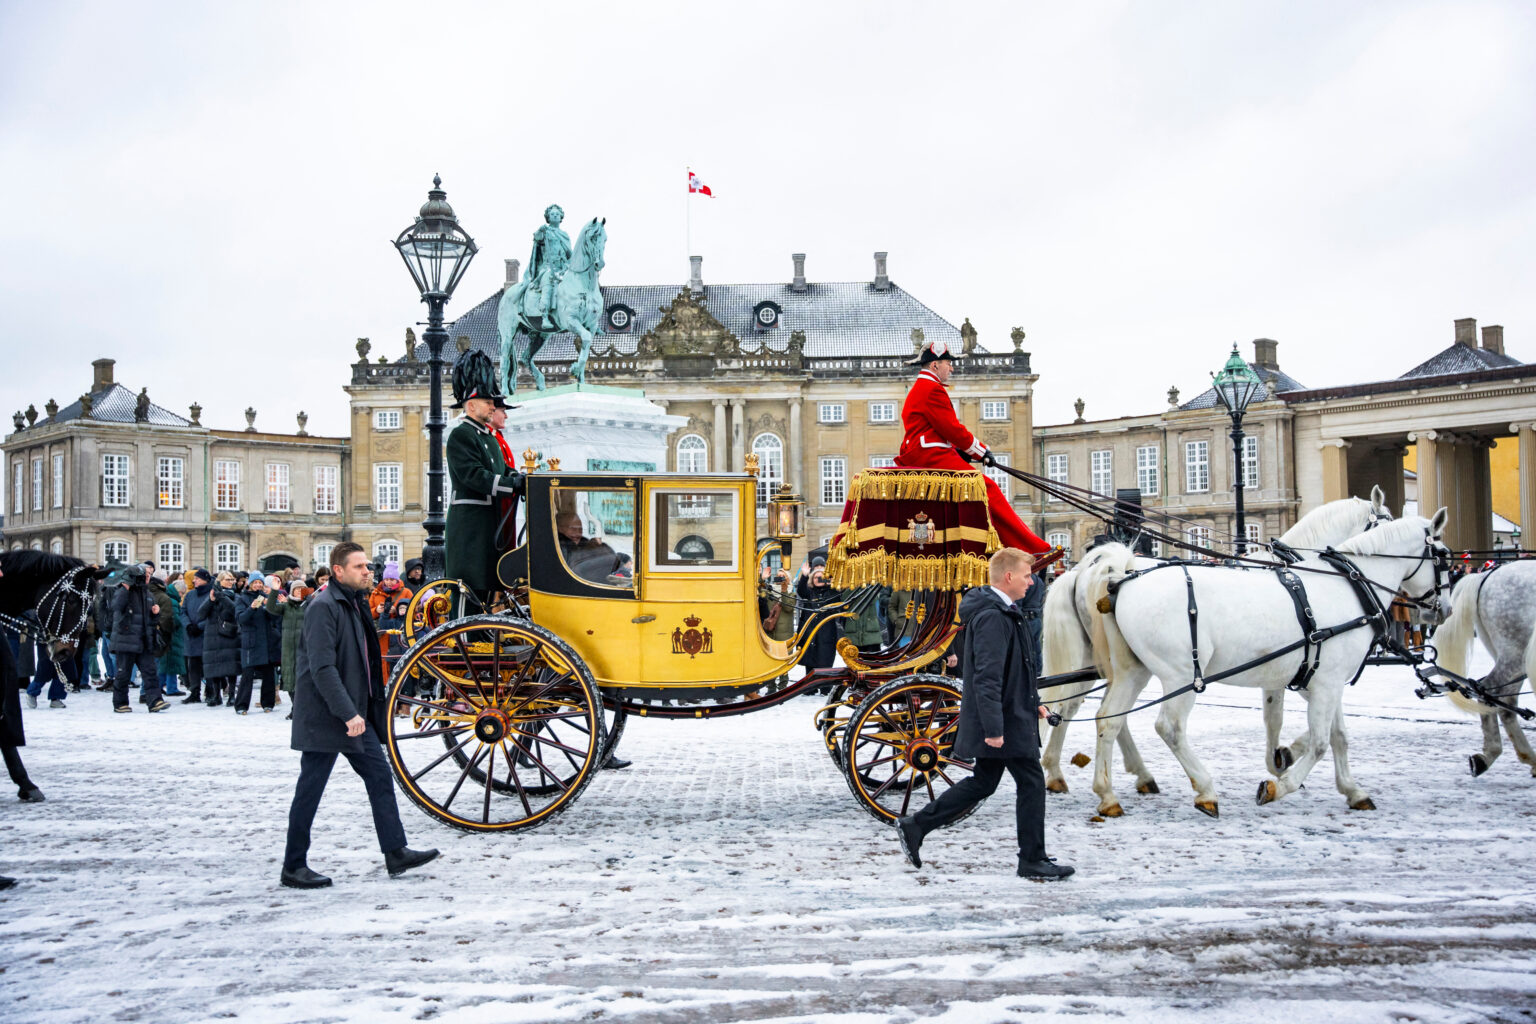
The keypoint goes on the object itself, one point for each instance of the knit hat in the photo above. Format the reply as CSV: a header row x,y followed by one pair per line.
x,y
275,582
202,575
391,570
161,576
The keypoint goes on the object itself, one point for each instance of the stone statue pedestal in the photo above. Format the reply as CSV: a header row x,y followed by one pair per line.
x,y
591,428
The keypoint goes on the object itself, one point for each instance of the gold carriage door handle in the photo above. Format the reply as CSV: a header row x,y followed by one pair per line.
x,y
643,618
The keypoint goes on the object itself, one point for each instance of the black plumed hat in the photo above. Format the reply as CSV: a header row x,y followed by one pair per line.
x,y
932,353
475,377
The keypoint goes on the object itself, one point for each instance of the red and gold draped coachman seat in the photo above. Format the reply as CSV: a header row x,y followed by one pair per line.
x,y
913,529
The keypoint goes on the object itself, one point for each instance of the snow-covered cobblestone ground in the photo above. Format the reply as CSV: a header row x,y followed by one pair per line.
x,y
728,876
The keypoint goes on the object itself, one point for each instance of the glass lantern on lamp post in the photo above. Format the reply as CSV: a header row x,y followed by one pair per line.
x,y
436,251
786,517
1236,386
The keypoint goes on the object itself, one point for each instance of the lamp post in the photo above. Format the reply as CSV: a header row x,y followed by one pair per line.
x,y
436,252
1237,385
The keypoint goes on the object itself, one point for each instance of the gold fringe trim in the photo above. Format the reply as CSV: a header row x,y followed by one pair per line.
x,y
847,571
919,485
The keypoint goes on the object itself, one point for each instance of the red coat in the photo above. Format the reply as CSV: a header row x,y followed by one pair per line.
x,y
934,439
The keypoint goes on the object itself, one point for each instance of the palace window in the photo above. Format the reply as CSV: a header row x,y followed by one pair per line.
x,y
1060,539
882,461
832,412
1197,467
1101,469
56,546
116,550
1251,533
1200,536
226,485
18,486
114,481
1056,470
278,497
168,481
386,487
997,476
994,411
770,467
386,551
882,412
37,485
226,557
327,489
323,555
58,481
172,557
1250,461
1147,470
692,454
834,480
386,419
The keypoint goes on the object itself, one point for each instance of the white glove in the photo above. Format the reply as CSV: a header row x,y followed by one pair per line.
x,y
976,449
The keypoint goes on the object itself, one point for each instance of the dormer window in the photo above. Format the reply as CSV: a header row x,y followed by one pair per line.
x,y
766,315
620,318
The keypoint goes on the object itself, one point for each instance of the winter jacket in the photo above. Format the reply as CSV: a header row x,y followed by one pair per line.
x,y
134,625
261,635
381,599
999,696
867,629
221,654
174,661
822,650
405,573
290,614
340,674
191,605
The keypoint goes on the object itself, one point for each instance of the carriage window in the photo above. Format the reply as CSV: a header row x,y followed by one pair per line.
x,y
694,530
595,530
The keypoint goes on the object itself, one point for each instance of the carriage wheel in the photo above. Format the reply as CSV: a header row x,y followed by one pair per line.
x,y
518,712
832,720
896,748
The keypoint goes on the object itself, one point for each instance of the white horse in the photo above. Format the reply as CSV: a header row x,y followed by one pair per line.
x,y
1244,615
1500,606
1067,621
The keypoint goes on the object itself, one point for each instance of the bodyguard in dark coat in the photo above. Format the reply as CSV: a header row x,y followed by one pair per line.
x,y
478,476
261,646
135,641
339,708
1000,714
221,641
191,606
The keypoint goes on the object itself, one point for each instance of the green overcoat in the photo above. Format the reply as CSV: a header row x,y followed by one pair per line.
x,y
478,478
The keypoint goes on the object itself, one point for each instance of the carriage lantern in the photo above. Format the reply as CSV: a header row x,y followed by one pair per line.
x,y
436,251
1236,386
786,514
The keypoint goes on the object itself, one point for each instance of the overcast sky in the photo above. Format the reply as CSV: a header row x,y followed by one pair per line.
x,y
207,192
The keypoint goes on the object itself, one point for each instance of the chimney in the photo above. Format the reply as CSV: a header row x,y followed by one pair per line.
x,y
1466,332
798,284
696,273
512,266
882,280
1493,339
1264,353
102,377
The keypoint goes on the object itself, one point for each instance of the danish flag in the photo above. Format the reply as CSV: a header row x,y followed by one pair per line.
x,y
695,185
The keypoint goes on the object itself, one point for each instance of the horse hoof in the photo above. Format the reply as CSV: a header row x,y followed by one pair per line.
x,y
1056,786
1267,792
1207,808
1478,763
1363,804
1524,757
1283,759
1081,760
1150,786
1112,811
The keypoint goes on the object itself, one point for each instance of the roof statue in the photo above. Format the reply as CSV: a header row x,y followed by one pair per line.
x,y
559,293
967,338
141,407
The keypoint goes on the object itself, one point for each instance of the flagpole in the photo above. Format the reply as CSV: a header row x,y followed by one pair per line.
x,y
688,206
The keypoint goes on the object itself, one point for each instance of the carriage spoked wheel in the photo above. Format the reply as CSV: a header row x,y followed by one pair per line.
x,y
896,746
832,720
518,713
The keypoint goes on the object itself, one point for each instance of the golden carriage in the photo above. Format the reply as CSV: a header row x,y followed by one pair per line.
x,y
638,594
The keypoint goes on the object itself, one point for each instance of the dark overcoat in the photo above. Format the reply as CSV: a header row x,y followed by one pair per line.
x,y
335,675
133,624
479,477
261,635
221,654
822,650
191,606
174,661
999,697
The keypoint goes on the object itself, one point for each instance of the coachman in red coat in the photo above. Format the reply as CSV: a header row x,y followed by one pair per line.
x,y
935,439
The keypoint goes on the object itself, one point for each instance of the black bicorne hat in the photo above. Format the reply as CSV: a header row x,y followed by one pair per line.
x,y
475,377
932,353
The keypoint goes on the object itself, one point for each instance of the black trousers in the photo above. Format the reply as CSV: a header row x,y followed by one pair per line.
x,y
194,676
15,767
982,783
218,687
268,676
315,769
149,678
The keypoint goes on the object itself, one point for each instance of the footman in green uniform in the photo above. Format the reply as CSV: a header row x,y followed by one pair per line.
x,y
477,475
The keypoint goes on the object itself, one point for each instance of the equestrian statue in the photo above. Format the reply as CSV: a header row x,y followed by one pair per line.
x,y
559,293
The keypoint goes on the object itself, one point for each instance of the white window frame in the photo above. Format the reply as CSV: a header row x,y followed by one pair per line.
x,y
327,490
882,412
170,481
1061,539
387,419
994,410
37,484
833,414
387,496
692,454
108,547
232,467
1148,470
834,480
1200,536
56,546
997,476
389,550
769,449
1253,533
227,556
882,461
1197,467
18,486
171,555
323,555
1101,471
1058,468
1251,461
116,488
279,489
58,481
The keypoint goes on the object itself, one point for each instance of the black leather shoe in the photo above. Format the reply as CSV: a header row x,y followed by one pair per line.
x,y
1046,870
615,763
193,698
911,840
404,859
303,878
214,702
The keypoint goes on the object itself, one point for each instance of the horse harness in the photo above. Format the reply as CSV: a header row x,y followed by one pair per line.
x,y
52,628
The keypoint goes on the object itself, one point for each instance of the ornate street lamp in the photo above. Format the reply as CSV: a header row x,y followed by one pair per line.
x,y
1237,385
786,510
436,252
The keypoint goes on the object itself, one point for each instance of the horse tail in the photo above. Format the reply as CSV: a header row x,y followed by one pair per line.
x,y
1453,640
1113,562
1064,645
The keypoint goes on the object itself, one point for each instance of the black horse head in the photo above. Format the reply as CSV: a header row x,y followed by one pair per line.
x,y
58,587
